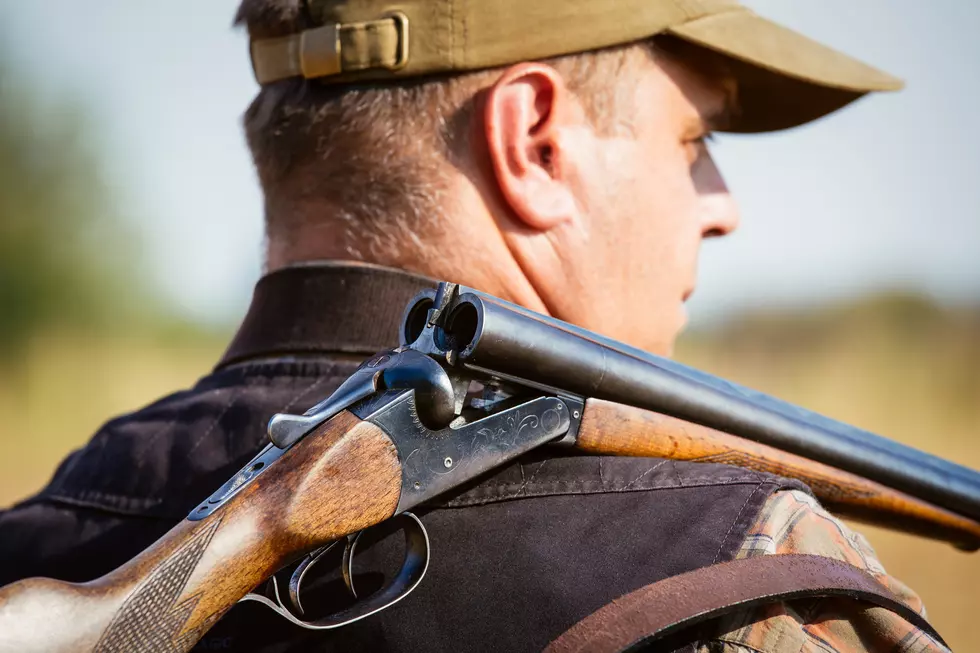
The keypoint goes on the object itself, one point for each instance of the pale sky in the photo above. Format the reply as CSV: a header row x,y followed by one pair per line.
x,y
885,194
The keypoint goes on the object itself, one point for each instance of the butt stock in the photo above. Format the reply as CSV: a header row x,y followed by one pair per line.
x,y
609,428
342,478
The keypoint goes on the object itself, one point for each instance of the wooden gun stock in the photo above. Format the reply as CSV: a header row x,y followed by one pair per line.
x,y
340,479
614,429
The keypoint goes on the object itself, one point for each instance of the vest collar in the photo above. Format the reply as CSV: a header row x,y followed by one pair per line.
x,y
325,307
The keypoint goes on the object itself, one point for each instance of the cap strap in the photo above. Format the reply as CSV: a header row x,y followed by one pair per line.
x,y
332,49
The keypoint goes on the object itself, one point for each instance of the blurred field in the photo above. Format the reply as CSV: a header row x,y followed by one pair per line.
x,y
896,365
68,385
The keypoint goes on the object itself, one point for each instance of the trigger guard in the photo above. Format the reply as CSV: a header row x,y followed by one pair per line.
x,y
413,570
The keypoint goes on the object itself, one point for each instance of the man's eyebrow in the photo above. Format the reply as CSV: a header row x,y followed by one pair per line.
x,y
721,117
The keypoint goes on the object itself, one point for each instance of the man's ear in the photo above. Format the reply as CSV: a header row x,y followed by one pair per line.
x,y
524,114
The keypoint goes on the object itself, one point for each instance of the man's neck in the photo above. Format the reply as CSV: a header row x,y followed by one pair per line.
x,y
482,262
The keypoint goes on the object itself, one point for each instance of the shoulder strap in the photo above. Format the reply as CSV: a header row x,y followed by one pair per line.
x,y
666,607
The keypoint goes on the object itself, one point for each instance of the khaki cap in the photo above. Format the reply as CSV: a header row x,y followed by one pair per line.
x,y
784,78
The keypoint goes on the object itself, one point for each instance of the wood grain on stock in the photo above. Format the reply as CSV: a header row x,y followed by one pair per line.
x,y
339,480
614,429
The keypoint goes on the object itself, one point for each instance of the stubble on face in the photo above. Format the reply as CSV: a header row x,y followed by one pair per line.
x,y
660,196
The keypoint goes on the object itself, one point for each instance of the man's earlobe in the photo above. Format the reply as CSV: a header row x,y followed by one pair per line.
x,y
524,114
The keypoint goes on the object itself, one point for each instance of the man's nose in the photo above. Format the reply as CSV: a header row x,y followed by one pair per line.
x,y
718,210
719,214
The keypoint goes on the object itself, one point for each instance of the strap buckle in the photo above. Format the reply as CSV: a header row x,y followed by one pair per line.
x,y
334,49
319,51
401,26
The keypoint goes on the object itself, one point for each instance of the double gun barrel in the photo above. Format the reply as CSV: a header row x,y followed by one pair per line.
x,y
499,338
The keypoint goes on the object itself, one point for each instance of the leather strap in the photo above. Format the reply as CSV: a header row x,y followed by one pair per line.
x,y
332,49
352,308
664,608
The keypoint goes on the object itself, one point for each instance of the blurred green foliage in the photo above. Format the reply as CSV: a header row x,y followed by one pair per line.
x,y
63,248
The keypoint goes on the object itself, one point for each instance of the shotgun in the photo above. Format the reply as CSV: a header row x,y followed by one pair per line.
x,y
476,382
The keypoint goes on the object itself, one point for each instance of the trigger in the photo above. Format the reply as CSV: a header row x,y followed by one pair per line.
x,y
413,569
347,569
296,580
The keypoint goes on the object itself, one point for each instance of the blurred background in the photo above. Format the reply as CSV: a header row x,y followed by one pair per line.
x,y
130,237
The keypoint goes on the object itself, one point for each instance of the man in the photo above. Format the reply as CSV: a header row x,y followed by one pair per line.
x,y
548,152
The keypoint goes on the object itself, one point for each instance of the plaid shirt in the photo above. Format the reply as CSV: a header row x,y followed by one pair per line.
x,y
794,522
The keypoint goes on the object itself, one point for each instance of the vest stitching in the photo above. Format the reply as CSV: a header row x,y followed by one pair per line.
x,y
694,481
149,441
655,467
724,540
302,393
680,481
235,396
560,488
530,480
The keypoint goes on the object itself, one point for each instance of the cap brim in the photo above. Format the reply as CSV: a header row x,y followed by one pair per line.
x,y
784,78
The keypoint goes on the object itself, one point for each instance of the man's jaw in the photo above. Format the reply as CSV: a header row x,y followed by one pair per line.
x,y
684,314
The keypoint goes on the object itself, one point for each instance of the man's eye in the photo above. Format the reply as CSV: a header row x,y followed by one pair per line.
x,y
698,147
705,139
701,142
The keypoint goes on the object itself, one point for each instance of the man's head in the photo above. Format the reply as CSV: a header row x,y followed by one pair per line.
x,y
578,184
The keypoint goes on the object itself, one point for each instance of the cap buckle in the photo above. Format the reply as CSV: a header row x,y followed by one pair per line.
x,y
319,51
401,25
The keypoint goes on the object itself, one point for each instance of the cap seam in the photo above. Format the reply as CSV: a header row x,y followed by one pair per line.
x,y
710,14
452,34
465,36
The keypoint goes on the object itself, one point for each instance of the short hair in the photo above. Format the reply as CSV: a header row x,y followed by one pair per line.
x,y
375,154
